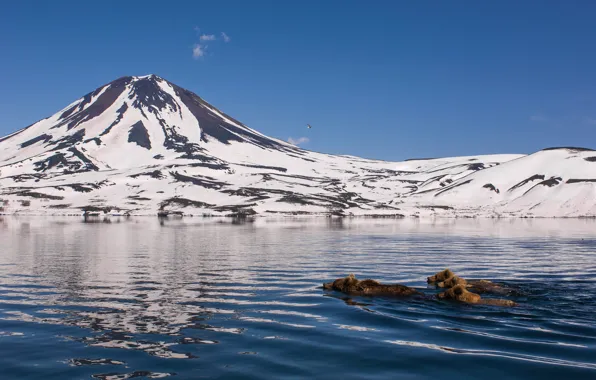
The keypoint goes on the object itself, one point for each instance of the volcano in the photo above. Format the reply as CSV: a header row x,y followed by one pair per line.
x,y
143,146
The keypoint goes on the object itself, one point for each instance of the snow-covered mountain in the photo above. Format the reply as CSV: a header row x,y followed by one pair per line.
x,y
142,145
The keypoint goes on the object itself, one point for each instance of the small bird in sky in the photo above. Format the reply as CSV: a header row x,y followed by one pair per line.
x,y
308,126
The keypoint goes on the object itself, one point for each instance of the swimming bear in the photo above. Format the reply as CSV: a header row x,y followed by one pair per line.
x,y
351,285
447,279
461,294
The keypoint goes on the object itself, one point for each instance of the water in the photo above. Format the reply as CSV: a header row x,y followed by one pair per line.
x,y
195,299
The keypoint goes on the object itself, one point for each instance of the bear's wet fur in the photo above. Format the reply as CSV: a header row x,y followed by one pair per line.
x,y
352,286
461,294
447,279
452,281
441,276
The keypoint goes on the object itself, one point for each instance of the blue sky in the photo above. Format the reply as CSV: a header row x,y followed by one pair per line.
x,y
380,79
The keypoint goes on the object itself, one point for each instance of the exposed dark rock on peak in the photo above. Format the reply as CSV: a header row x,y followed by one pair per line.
x,y
78,113
139,135
147,94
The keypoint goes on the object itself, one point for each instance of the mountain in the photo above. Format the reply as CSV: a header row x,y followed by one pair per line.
x,y
142,145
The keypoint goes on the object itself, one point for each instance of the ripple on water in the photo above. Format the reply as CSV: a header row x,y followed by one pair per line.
x,y
188,299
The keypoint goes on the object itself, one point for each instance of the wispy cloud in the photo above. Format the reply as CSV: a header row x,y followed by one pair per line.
x,y
590,120
539,118
298,141
198,51
207,37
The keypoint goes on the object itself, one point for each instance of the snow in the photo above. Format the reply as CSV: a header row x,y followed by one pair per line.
x,y
246,176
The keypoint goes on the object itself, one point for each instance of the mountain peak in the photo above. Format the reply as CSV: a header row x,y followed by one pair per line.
x,y
145,116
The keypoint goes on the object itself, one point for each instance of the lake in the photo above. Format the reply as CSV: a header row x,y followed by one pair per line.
x,y
207,298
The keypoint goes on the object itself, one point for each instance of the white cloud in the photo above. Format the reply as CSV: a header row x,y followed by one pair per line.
x,y
198,51
298,141
538,118
207,37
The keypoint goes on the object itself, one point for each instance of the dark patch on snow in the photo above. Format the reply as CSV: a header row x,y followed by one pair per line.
x,y
34,194
177,142
572,148
139,135
76,115
45,138
91,208
177,201
535,177
277,168
302,158
154,174
295,198
96,140
68,141
138,198
420,159
491,187
433,207
446,182
451,187
209,166
89,165
56,160
553,181
449,167
237,211
26,177
65,205
476,166
590,159
158,157
577,180
390,172
203,181
120,112
80,188
256,194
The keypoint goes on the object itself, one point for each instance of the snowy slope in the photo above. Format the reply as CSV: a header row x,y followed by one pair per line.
x,y
141,145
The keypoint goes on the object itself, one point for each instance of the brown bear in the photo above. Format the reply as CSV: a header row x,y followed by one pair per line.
x,y
447,279
441,276
459,293
452,281
351,285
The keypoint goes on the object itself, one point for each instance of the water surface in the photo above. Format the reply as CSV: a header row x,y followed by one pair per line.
x,y
195,298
